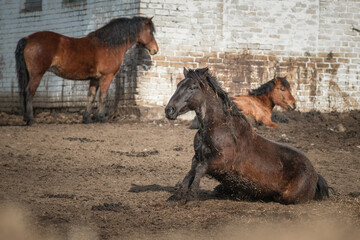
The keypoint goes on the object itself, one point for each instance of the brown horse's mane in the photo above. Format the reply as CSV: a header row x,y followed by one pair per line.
x,y
267,87
228,106
120,30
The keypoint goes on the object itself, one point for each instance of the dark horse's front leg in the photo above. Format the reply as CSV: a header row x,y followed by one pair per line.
x,y
185,184
188,190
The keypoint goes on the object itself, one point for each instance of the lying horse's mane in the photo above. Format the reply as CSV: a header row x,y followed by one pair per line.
x,y
229,107
120,30
267,87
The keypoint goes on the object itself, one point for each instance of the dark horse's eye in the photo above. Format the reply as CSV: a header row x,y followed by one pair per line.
x,y
282,89
193,87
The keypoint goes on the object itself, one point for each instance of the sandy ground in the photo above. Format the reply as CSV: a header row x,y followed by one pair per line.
x,y
60,179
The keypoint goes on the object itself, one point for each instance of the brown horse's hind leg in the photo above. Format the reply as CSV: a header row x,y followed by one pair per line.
x,y
104,86
33,84
93,88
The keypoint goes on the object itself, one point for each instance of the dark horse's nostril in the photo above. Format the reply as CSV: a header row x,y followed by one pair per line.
x,y
294,106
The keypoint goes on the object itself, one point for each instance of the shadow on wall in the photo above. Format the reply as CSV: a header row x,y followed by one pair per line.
x,y
126,81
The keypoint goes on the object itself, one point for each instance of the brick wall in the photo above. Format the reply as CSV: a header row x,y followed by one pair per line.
x,y
243,42
246,42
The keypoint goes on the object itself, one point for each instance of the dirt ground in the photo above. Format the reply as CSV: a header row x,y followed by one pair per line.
x,y
60,179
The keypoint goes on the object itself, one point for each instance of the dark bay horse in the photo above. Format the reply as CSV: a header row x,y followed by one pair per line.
x,y
229,150
260,102
96,57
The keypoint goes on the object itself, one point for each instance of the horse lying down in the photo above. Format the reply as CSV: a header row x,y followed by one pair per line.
x,y
229,150
259,103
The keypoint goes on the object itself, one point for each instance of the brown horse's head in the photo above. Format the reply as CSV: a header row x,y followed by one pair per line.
x,y
189,94
146,36
281,94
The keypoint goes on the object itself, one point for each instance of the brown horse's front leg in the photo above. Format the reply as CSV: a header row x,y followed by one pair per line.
x,y
104,86
267,121
94,86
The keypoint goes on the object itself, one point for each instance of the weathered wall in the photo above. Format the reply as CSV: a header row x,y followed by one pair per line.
x,y
71,19
244,42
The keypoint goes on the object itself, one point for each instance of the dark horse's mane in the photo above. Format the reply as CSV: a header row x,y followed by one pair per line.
x,y
267,87
120,30
229,107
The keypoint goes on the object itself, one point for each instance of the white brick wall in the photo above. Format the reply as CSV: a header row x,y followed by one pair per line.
x,y
244,42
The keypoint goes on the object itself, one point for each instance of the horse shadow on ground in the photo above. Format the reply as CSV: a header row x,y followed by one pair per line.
x,y
204,195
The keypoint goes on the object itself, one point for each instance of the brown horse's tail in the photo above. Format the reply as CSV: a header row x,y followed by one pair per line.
x,y
322,188
22,73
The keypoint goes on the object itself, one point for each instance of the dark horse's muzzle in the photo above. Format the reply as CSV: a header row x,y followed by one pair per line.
x,y
170,113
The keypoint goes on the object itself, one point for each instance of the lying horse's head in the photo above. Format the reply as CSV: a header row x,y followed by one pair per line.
x,y
281,94
189,94
278,90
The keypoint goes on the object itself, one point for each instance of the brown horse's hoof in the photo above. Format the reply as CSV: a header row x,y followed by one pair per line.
x,y
87,118
100,118
29,122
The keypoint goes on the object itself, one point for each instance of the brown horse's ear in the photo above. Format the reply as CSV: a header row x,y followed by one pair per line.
x,y
185,71
148,20
276,79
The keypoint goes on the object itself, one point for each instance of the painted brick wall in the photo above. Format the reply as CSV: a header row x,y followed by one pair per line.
x,y
246,42
243,42
71,19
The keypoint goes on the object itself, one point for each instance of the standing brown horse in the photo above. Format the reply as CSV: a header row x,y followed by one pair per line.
x,y
261,101
228,149
96,57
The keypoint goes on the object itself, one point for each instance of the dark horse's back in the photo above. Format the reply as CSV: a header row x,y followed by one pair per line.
x,y
267,170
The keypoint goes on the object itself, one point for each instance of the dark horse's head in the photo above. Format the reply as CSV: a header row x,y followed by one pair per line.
x,y
188,95
193,91
278,90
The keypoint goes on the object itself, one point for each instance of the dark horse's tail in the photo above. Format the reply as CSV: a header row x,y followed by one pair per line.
x,y
22,73
322,188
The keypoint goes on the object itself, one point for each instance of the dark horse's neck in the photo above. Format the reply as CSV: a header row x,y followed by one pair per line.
x,y
212,113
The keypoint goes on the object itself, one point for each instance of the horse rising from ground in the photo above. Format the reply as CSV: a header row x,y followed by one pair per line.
x,y
259,103
96,57
229,150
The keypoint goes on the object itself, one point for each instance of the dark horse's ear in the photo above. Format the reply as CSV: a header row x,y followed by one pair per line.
x,y
185,71
203,71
